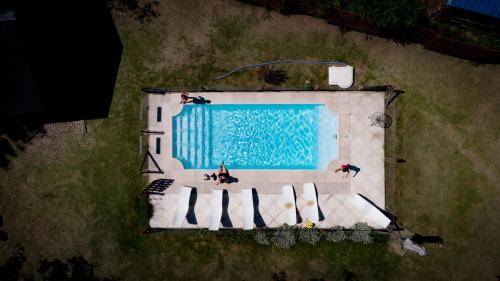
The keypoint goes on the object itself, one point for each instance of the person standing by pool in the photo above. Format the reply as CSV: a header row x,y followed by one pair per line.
x,y
344,168
223,174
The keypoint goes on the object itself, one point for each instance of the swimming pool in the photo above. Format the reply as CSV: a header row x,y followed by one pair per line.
x,y
255,136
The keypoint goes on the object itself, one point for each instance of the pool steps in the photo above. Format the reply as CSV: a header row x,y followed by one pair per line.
x,y
193,129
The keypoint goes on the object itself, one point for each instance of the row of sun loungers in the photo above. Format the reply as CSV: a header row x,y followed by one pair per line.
x,y
312,213
182,206
288,199
369,211
247,206
215,209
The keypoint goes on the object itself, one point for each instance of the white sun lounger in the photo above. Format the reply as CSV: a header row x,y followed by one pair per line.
x,y
215,209
182,205
370,212
288,201
247,208
311,201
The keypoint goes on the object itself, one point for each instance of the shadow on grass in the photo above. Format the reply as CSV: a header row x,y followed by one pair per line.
x,y
15,137
75,268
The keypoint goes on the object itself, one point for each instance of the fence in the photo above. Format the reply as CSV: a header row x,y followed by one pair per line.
x,y
430,38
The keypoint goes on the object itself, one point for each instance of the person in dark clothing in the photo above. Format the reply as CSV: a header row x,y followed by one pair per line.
x,y
223,174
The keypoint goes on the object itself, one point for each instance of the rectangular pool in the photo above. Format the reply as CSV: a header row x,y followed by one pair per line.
x,y
255,136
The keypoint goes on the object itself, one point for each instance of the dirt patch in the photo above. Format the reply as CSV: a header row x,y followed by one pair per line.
x,y
478,163
184,36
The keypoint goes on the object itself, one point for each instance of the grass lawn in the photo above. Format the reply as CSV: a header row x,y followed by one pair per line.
x,y
70,194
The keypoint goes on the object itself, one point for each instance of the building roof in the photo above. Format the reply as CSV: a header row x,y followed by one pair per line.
x,y
19,94
61,60
485,7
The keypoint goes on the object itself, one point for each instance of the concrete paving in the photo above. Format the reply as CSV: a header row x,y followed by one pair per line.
x,y
359,144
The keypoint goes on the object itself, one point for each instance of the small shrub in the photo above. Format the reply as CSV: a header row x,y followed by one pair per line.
x,y
310,236
336,235
228,32
261,238
308,86
272,76
361,234
284,237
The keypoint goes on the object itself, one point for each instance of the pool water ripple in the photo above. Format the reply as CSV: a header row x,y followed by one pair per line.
x,y
255,136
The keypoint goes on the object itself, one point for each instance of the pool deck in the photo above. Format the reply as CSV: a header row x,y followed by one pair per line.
x,y
359,144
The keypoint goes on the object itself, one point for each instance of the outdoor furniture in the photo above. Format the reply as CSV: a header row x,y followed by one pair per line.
x,y
288,201
215,209
370,212
247,208
312,213
343,76
182,205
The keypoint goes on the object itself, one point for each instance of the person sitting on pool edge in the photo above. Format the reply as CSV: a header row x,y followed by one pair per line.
x,y
223,174
185,98
344,168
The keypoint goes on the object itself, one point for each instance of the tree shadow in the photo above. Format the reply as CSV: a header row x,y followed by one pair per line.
x,y
191,216
6,152
75,268
12,268
225,219
3,236
14,137
257,217
280,276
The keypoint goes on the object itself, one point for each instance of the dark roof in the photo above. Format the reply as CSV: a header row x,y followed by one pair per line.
x,y
62,59
485,7
19,93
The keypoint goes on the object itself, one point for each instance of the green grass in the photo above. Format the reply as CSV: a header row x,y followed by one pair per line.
x,y
78,195
228,32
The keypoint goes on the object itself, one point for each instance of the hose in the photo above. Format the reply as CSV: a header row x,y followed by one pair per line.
x,y
277,62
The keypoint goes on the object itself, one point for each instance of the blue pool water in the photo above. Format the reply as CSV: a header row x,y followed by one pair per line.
x,y
255,136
